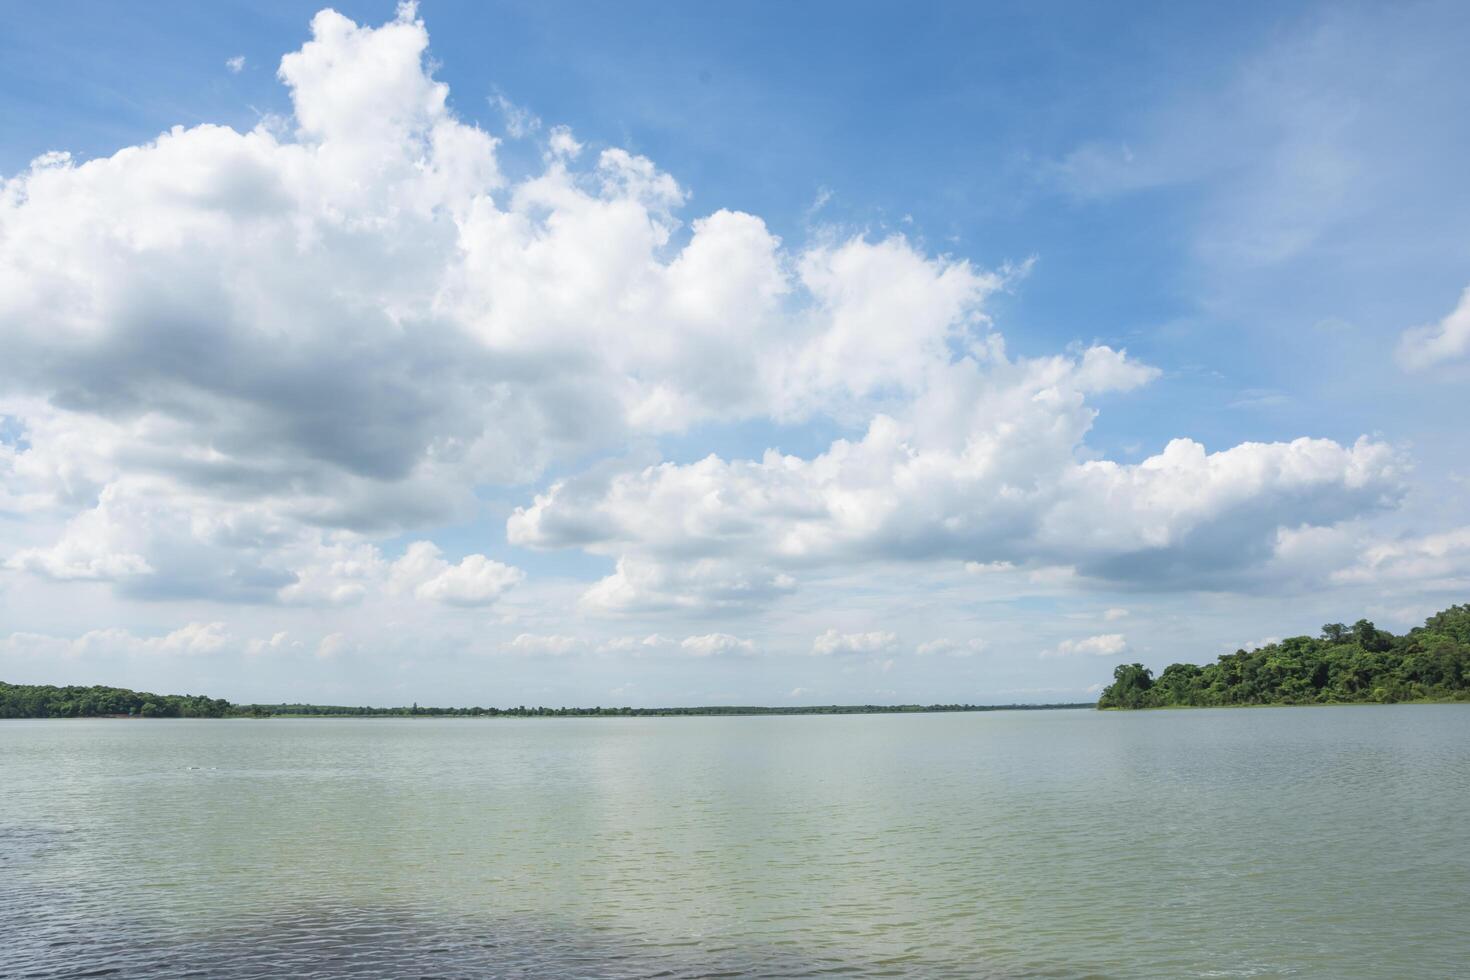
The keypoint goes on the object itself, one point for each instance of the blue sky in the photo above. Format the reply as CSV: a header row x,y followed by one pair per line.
x,y
1256,203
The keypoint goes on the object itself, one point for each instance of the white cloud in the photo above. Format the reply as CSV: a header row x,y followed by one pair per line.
x,y
1447,340
189,640
633,645
1441,559
195,638
700,586
520,122
951,648
235,64
715,645
475,581
73,559
824,196
469,332
989,567
833,643
334,645
984,466
550,645
279,642
1102,645
1114,614
563,144
336,573
1357,559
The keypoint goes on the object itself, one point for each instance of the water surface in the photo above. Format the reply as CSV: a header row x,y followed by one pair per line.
x,y
1325,842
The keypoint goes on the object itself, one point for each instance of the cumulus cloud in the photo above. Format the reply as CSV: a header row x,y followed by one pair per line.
x,y
1360,558
715,645
563,144
951,648
984,465
191,639
636,646
475,581
350,320
548,645
1102,645
1449,339
703,585
154,540
236,64
1433,559
335,573
83,556
278,642
233,365
833,643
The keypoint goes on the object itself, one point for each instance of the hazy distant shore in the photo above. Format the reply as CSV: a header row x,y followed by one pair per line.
x,y
47,701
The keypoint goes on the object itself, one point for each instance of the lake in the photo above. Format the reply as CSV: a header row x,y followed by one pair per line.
x,y
1321,842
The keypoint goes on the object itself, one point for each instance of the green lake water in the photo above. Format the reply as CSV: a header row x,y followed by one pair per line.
x,y
1309,842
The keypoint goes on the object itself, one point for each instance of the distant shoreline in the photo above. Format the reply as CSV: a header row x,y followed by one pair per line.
x,y
716,711
20,701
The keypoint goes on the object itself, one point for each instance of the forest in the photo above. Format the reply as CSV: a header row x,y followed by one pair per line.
x,y
1344,665
46,701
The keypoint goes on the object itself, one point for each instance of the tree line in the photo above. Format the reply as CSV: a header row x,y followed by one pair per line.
x,y
541,711
1343,665
46,701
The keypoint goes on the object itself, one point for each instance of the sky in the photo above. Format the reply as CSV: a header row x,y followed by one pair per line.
x,y
668,354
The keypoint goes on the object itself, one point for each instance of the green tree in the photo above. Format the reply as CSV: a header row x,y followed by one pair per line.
x,y
1130,687
1357,663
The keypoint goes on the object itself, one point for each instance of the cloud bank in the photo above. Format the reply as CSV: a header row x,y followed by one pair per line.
x,y
263,367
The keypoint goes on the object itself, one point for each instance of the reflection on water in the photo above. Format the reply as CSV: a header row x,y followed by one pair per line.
x,y
346,941
1306,842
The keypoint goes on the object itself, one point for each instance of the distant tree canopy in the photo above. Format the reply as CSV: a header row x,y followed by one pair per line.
x,y
45,701
543,711
1346,664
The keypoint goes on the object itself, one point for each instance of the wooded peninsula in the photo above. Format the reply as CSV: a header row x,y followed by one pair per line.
x,y
1344,665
